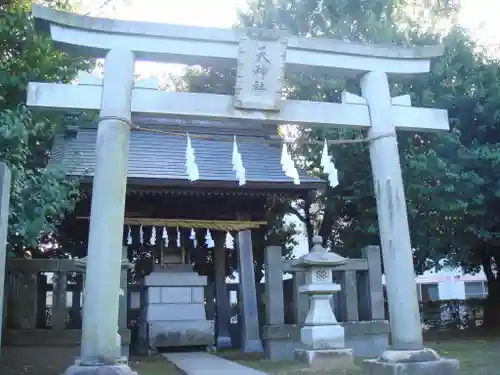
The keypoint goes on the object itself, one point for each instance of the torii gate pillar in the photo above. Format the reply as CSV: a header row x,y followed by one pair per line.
x,y
407,355
406,331
99,351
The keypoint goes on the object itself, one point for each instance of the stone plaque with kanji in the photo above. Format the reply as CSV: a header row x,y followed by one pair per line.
x,y
261,70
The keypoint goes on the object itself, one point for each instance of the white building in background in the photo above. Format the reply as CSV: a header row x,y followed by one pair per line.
x,y
449,283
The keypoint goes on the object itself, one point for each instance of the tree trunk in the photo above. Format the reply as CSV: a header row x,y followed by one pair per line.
x,y
308,221
326,227
491,305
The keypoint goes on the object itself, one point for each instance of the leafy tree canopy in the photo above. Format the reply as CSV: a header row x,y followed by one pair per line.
x,y
451,187
40,194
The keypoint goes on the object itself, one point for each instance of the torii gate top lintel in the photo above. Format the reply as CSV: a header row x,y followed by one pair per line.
x,y
191,45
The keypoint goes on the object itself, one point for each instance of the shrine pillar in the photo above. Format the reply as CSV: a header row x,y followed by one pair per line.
x,y
250,332
406,328
221,295
102,282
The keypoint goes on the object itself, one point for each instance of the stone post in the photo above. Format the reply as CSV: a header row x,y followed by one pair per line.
x,y
76,299
102,281
300,300
123,306
5,180
406,328
350,296
222,297
374,290
321,335
250,335
59,300
275,344
275,313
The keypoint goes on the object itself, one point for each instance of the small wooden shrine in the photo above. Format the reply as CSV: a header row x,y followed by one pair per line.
x,y
175,222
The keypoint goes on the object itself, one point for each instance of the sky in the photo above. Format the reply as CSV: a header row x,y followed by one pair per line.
x,y
477,15
222,13
207,13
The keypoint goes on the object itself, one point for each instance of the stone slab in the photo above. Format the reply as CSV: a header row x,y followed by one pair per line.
x,y
181,333
207,364
175,294
368,339
287,331
99,370
224,342
175,311
331,359
323,336
411,362
183,279
441,366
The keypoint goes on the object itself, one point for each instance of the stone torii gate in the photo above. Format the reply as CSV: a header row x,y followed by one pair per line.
x,y
262,59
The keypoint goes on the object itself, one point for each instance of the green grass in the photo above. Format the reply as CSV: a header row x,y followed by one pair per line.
x,y
52,365
476,356
153,366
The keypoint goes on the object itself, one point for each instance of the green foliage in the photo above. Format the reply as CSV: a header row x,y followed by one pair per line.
x,y
40,194
451,181
448,176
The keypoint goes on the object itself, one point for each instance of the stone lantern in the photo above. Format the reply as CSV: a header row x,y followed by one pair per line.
x,y
322,336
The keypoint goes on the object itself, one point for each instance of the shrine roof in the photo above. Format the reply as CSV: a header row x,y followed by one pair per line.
x,y
159,160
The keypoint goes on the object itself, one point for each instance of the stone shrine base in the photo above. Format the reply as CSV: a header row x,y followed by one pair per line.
x,y
224,342
319,359
118,369
411,362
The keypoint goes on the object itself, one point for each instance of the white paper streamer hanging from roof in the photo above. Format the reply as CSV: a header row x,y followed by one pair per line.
x,y
229,242
191,166
192,237
209,240
238,164
328,167
178,238
141,235
152,239
288,165
129,236
164,235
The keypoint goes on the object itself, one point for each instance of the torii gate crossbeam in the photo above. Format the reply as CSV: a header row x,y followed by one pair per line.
x,y
193,45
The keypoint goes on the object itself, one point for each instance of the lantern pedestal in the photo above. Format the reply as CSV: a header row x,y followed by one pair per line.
x,y
323,339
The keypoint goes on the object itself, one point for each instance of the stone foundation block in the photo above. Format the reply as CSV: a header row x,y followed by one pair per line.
x,y
411,362
163,334
323,336
118,369
334,359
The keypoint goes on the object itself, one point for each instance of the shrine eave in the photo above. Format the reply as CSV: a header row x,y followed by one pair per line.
x,y
158,161
90,36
